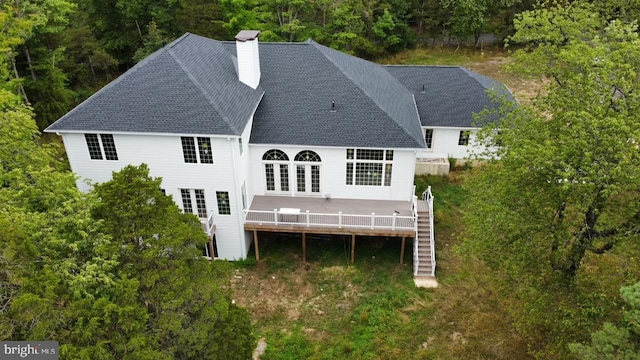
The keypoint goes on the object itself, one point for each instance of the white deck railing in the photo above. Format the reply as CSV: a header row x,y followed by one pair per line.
x,y
335,220
208,226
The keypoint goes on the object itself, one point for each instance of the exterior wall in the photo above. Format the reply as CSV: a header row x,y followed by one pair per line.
x,y
333,174
445,144
163,155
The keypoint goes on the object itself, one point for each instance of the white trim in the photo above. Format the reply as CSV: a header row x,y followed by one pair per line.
x,y
308,147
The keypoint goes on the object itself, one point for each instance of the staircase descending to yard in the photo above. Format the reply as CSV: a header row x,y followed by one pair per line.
x,y
424,249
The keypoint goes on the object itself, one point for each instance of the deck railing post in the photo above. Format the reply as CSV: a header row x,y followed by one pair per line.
x,y
393,221
340,219
308,218
373,220
275,216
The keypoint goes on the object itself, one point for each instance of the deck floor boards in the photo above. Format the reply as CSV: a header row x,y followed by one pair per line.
x,y
331,206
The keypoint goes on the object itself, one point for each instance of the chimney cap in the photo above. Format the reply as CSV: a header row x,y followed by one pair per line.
x,y
247,35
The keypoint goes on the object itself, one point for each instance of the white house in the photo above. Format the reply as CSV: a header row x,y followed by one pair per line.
x,y
289,137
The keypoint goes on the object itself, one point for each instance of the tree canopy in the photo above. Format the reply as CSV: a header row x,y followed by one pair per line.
x,y
563,185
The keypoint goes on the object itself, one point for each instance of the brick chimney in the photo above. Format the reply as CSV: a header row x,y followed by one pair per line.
x,y
248,57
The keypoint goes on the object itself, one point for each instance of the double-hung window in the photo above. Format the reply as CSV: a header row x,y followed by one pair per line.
x,y
369,167
203,153
101,146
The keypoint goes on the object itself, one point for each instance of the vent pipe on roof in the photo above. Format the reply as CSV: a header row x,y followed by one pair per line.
x,y
248,57
333,106
423,89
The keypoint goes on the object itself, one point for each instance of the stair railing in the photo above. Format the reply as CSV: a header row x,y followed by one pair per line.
x,y
428,197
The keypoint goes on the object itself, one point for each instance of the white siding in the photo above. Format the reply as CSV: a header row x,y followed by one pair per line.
x,y
445,143
248,62
333,174
163,155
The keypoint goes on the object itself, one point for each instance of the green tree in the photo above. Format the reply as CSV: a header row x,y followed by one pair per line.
x,y
36,57
191,315
562,187
469,17
616,342
57,270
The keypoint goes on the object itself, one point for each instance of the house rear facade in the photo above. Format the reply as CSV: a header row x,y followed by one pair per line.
x,y
243,133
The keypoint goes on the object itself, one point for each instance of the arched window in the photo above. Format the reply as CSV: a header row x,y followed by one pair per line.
x,y
307,155
308,175
275,155
276,171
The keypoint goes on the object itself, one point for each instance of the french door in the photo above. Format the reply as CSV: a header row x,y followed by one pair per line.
x,y
307,179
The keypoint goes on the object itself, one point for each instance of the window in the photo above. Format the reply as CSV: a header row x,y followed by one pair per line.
x,y
109,147
307,170
284,177
94,146
100,145
349,173
428,137
307,155
301,178
276,172
463,139
387,174
204,154
275,155
315,178
187,207
224,208
200,203
369,167
244,196
369,174
189,196
271,178
189,150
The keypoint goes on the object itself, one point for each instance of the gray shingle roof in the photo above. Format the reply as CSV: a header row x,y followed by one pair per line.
x,y
191,86
175,90
372,109
452,94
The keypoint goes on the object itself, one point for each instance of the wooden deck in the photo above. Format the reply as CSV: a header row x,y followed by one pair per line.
x,y
308,215
330,216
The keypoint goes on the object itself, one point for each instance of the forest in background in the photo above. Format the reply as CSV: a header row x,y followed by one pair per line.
x,y
71,48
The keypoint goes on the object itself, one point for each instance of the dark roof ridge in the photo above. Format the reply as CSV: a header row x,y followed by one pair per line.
x,y
473,75
204,93
364,90
178,40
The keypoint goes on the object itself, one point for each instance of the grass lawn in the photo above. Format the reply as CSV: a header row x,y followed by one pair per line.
x,y
332,309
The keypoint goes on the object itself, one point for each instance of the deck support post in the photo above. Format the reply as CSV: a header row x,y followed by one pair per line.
x,y
255,244
404,240
304,248
210,244
353,248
